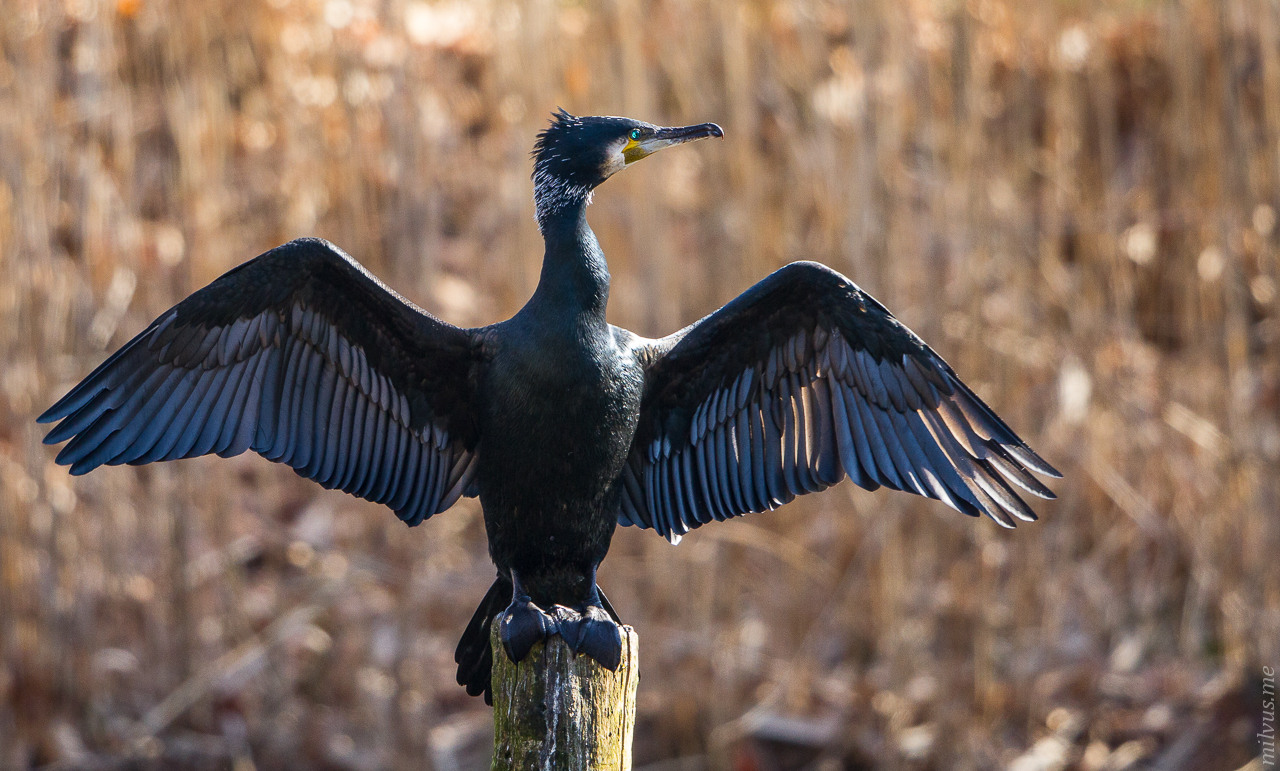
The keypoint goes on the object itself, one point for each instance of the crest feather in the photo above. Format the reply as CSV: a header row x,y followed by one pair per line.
x,y
560,120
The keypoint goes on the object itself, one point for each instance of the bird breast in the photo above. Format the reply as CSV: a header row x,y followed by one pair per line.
x,y
559,416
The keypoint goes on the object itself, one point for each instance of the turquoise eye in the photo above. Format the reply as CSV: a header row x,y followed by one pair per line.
x,y
635,135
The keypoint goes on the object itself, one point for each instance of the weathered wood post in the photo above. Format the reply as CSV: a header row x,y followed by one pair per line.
x,y
556,711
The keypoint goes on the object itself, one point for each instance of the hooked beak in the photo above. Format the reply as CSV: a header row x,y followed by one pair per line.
x,y
666,137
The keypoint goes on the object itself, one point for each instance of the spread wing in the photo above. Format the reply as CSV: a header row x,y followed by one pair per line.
x,y
798,382
304,357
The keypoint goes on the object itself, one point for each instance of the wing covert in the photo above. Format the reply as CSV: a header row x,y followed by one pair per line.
x,y
802,380
304,357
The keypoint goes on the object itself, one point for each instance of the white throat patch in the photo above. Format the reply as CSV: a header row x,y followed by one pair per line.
x,y
552,193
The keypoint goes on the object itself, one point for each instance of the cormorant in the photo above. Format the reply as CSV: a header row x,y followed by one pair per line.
x,y
564,425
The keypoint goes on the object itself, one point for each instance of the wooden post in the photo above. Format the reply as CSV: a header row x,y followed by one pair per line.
x,y
556,711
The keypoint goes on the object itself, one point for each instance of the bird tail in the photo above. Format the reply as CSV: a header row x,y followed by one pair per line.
x,y
474,656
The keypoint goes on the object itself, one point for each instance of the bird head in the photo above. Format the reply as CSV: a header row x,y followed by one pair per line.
x,y
575,154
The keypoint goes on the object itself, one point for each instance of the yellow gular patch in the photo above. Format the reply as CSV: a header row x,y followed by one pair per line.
x,y
632,151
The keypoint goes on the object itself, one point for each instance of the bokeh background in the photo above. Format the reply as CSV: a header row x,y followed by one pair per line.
x,y
1074,201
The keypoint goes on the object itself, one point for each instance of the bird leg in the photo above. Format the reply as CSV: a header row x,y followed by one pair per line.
x,y
589,630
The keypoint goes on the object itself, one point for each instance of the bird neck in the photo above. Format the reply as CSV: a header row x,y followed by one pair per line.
x,y
575,275
555,196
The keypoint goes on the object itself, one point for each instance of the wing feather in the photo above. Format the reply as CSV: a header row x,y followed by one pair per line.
x,y
799,382
745,466
183,435
304,357
216,432
239,435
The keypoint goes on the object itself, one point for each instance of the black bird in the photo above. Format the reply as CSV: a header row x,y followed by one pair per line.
x,y
564,425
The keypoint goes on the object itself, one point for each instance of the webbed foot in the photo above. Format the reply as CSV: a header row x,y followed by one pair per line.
x,y
593,633
521,625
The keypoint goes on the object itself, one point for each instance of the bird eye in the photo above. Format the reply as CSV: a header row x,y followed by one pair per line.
x,y
635,135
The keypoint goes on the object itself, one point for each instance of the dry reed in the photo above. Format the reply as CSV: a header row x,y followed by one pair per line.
x,y
1076,202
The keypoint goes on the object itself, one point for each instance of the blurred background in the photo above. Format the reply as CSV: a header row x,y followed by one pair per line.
x,y
1075,202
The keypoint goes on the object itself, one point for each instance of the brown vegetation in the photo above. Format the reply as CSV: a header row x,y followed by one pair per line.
x,y
1076,202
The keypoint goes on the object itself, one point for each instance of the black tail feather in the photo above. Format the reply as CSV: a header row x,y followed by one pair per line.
x,y
473,656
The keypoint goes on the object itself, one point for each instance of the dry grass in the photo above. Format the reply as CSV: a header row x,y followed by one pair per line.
x,y
1076,202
